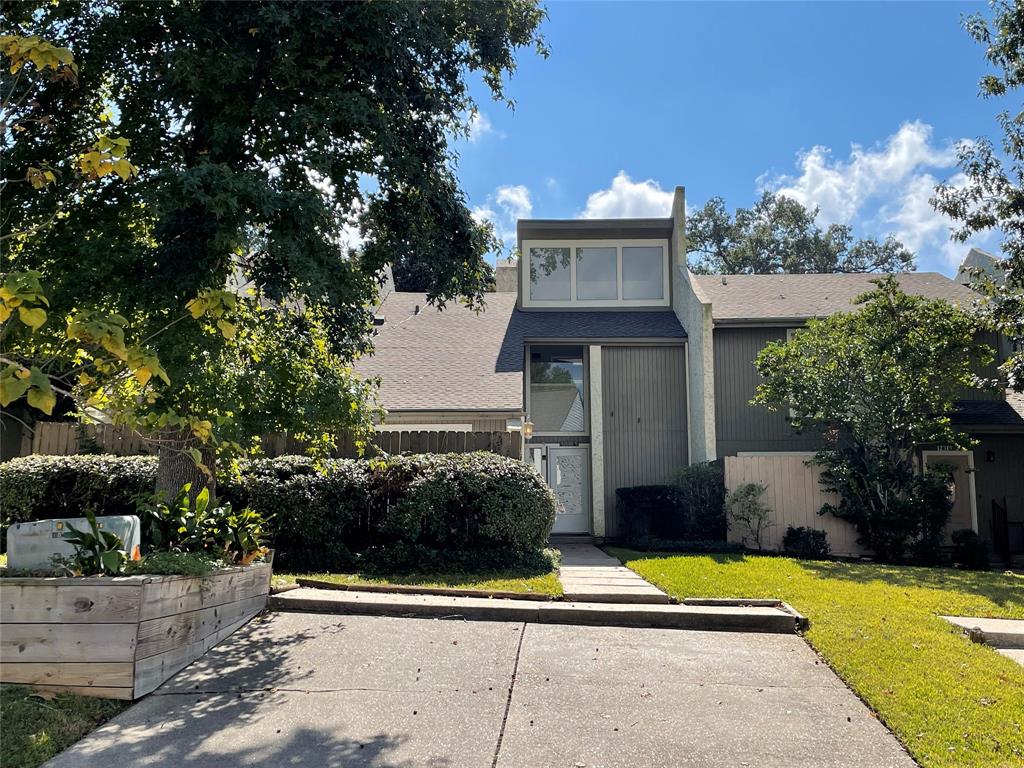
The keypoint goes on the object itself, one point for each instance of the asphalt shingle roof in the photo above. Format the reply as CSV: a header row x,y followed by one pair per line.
x,y
783,297
460,360
1005,415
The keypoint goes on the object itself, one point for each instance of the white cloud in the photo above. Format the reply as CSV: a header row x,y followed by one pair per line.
x,y
504,207
883,189
480,126
626,198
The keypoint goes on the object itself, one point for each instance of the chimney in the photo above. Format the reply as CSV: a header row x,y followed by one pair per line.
x,y
506,276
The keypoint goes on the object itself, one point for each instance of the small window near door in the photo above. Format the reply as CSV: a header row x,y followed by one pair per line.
x,y
557,398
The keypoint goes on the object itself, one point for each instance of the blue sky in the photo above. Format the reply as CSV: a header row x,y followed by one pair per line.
x,y
855,107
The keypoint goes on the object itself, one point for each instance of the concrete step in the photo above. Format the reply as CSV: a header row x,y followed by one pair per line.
x,y
999,633
717,618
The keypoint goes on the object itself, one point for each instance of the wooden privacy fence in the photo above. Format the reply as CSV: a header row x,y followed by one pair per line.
x,y
794,496
68,438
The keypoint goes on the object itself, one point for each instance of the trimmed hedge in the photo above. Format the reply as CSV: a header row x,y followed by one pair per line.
x,y
42,487
422,511
691,511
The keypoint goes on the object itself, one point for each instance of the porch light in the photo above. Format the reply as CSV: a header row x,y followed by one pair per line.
x,y
527,429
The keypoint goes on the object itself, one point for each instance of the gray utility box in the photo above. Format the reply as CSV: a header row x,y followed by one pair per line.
x,y
42,545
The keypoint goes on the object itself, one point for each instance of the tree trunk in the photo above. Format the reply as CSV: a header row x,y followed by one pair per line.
x,y
176,467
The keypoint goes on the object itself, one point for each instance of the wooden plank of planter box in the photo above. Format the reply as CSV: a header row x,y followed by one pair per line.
x,y
151,672
175,595
89,674
69,603
95,691
164,634
60,642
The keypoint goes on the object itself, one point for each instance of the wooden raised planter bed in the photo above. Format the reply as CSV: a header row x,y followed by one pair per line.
x,y
120,637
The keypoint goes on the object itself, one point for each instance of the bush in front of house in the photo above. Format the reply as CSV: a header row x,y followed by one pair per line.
x,y
317,508
468,510
423,511
806,543
969,550
42,487
686,513
747,512
702,492
650,512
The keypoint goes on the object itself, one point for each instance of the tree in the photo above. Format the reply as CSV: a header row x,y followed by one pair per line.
x,y
93,346
779,234
879,383
993,196
263,131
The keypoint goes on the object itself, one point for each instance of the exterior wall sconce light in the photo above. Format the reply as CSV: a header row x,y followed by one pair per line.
x,y
990,456
527,429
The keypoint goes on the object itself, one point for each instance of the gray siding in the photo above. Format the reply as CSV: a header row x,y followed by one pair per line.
x,y
1000,479
740,426
644,420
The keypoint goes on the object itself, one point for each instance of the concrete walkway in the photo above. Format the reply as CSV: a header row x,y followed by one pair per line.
x,y
294,689
1004,635
589,575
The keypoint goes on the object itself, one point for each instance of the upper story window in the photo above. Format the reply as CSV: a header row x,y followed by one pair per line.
x,y
595,273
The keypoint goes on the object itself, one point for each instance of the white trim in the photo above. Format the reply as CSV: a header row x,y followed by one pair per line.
x,y
572,302
596,441
970,477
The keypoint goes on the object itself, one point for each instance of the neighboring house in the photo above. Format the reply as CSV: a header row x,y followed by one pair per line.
x,y
628,366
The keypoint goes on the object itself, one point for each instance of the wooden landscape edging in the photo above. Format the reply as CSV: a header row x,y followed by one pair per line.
x,y
120,637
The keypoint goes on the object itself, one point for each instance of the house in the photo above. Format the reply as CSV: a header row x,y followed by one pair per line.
x,y
621,366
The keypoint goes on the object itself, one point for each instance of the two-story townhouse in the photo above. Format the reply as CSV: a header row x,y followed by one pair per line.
x,y
623,366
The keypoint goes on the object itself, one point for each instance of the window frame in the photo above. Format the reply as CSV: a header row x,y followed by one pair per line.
x,y
526,261
528,368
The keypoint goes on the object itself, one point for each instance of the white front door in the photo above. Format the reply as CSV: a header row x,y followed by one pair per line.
x,y
568,474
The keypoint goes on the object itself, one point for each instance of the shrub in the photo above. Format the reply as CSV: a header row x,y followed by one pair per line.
x,y
897,513
702,493
969,550
746,510
318,512
424,511
806,543
689,510
174,564
479,504
651,511
42,487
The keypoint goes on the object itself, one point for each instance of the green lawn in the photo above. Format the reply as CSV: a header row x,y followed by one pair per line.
x,y
494,581
951,702
35,729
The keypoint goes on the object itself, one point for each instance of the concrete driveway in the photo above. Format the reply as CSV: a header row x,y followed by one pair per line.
x,y
294,689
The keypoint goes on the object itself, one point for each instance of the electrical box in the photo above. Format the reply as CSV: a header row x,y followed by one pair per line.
x,y
42,545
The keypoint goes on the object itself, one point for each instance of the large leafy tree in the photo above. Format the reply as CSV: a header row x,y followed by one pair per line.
x,y
993,197
879,383
779,234
264,132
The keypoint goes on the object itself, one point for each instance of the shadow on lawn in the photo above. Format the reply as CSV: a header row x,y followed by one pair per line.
x,y
1003,589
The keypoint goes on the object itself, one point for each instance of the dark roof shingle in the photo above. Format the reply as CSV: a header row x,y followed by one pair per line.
x,y
457,359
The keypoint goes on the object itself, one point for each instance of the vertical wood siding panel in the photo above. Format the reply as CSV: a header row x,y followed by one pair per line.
x,y
644,419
